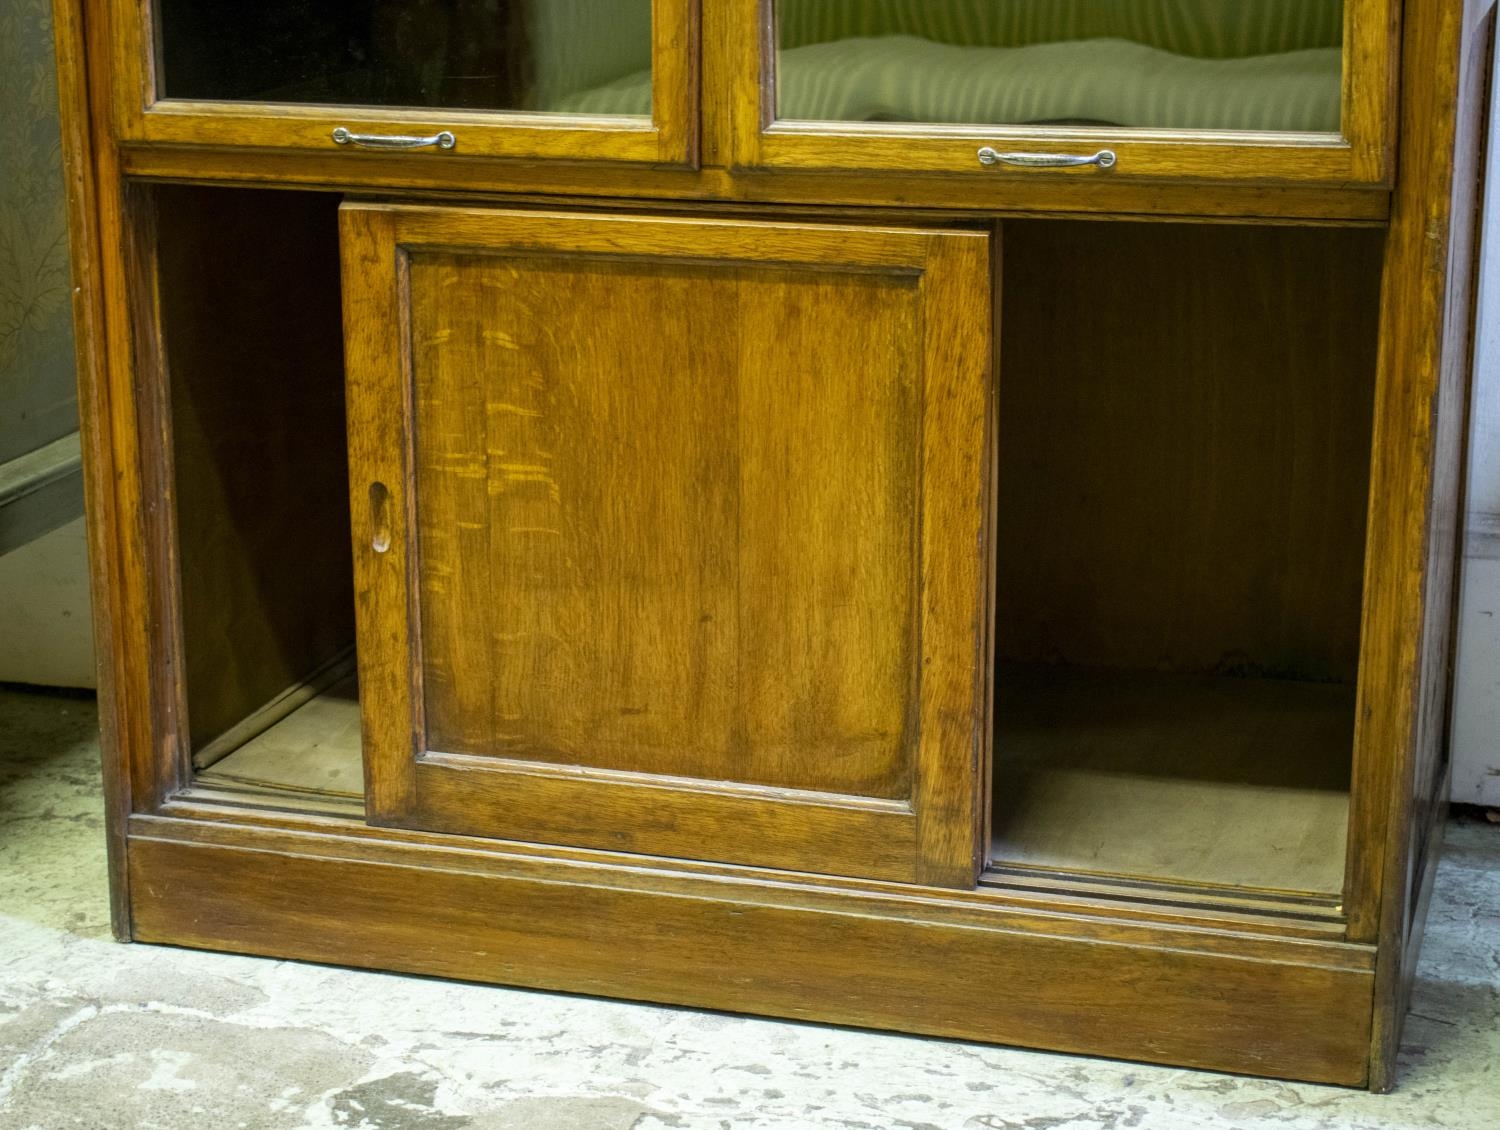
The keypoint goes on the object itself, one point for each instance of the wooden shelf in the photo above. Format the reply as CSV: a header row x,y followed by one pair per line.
x,y
314,750
1193,779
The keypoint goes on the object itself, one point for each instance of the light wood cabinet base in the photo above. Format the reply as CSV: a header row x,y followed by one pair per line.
x,y
922,961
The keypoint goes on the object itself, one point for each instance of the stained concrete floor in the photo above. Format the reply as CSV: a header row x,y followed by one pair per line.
x,y
112,1037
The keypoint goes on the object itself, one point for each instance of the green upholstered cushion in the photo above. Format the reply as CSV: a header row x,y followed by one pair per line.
x,y
902,78
1210,29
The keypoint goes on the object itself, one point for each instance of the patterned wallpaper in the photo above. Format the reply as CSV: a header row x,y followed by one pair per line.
x,y
37,398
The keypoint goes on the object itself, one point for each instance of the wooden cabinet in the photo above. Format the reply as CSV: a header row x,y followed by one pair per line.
x,y
648,517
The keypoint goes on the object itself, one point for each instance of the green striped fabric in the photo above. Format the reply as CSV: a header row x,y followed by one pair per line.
x,y
1115,81
1155,64
577,45
1111,81
1207,29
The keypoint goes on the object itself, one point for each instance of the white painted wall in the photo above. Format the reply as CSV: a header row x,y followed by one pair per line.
x,y
46,632
1476,702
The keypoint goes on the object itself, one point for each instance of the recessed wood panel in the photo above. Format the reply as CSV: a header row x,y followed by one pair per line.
x,y
671,551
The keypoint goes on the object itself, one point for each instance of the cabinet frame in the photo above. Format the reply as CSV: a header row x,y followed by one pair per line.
x,y
669,137
1361,154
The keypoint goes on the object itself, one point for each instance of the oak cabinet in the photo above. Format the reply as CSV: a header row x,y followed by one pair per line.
x,y
930,516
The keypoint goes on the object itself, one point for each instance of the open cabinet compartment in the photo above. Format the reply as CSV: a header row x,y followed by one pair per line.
x,y
618,601
1180,492
1184,449
251,397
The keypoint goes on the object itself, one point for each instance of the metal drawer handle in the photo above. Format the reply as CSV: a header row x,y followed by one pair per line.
x,y
1104,159
342,136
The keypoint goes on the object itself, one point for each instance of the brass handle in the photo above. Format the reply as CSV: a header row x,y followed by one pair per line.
x,y
443,140
1104,159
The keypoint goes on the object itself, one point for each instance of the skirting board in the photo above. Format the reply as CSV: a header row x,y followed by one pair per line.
x,y
1476,686
39,492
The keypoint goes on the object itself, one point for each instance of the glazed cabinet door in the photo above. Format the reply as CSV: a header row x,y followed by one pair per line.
x,y
1190,90
671,535
580,80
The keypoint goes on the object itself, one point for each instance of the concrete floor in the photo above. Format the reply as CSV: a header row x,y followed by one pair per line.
x,y
99,1035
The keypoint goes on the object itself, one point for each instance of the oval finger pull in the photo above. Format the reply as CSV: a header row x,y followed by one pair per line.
x,y
380,517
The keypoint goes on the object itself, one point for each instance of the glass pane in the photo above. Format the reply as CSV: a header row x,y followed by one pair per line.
x,y
1159,64
559,56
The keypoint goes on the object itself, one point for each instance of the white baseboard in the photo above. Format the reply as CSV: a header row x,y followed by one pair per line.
x,y
47,636
1476,692
40,492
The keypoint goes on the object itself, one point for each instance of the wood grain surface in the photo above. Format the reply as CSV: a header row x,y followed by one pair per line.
x,y
1131,972
674,551
506,181
89,162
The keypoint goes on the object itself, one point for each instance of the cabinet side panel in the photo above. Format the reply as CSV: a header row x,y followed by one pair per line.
x,y
1401,765
1432,767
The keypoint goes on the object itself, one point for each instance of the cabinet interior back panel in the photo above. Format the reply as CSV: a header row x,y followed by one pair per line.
x,y
254,365
1185,421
